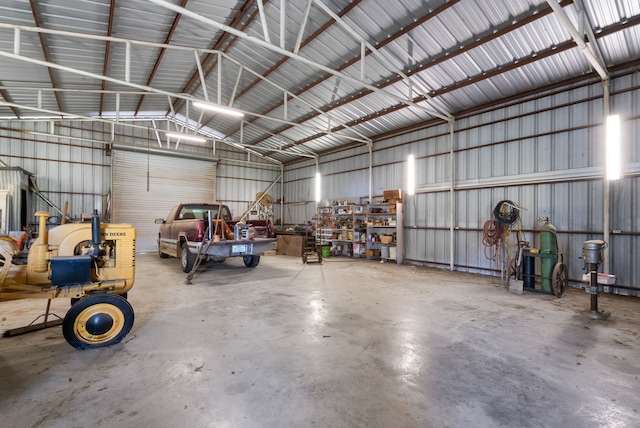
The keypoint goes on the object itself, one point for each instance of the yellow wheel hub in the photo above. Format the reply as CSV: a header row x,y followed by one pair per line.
x,y
99,323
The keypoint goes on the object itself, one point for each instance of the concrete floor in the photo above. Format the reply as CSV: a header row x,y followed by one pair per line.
x,y
350,343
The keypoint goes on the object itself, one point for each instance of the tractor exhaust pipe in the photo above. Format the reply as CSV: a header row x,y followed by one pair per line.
x,y
40,261
95,233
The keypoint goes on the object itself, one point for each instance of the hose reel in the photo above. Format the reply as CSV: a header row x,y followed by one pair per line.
x,y
506,212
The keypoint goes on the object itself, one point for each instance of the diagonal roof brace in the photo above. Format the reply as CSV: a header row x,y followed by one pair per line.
x,y
408,80
578,39
151,90
292,55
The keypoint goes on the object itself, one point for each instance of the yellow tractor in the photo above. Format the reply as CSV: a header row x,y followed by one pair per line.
x,y
91,264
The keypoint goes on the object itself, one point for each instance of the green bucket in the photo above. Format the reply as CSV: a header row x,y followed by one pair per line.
x,y
326,251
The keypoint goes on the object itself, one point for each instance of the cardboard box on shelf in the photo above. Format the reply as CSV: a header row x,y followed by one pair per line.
x,y
386,239
373,253
392,194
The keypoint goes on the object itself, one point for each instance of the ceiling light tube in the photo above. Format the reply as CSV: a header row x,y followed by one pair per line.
x,y
318,186
218,108
613,148
187,137
411,175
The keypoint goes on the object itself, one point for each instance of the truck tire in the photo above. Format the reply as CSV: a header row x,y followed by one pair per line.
x,y
251,261
186,258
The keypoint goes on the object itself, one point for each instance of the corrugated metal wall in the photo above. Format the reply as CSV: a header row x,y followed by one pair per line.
x,y
241,177
76,167
546,153
66,170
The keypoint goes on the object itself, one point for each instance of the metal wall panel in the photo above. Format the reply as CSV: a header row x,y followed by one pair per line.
x,y
146,186
545,153
74,166
238,183
66,170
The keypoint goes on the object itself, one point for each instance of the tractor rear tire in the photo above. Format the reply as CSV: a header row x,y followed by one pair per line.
x,y
187,259
98,320
251,261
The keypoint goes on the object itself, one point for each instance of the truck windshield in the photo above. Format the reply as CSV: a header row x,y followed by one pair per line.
x,y
200,212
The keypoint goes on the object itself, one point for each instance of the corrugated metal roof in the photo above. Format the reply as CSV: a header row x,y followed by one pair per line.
x,y
458,54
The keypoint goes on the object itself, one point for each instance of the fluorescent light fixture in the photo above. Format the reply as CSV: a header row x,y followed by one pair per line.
x,y
318,186
411,175
218,108
613,148
187,137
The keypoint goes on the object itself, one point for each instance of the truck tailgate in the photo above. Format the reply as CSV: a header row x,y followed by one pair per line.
x,y
233,248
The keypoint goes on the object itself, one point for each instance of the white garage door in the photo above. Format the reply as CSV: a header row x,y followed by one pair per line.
x,y
147,185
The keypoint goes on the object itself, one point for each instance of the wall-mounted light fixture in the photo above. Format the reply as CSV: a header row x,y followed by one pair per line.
x,y
187,137
613,148
218,108
318,187
411,175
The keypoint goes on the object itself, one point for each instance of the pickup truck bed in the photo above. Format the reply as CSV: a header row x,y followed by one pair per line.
x,y
189,233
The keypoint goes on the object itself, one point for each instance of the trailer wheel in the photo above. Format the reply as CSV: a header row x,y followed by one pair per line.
x,y
559,279
186,258
97,320
251,261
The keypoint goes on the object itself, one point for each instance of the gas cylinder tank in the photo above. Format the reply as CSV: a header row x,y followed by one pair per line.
x,y
548,251
548,241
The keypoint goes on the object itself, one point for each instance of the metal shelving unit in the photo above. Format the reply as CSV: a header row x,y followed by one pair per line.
x,y
389,221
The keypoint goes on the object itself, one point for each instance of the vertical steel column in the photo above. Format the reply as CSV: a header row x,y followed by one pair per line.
x,y
606,184
370,173
452,214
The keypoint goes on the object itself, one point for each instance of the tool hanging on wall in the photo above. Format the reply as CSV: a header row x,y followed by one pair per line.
x,y
497,232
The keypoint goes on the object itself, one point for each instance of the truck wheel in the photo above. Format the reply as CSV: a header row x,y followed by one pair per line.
x,y
160,253
97,320
187,259
251,261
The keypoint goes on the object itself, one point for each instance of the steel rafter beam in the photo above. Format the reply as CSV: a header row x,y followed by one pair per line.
x,y
45,51
299,58
123,123
418,22
7,98
126,82
194,83
382,57
107,51
299,45
521,21
588,30
156,65
578,38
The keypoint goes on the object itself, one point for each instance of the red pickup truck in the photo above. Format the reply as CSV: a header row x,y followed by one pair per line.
x,y
208,229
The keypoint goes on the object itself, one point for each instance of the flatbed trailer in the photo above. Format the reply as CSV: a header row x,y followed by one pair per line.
x,y
250,250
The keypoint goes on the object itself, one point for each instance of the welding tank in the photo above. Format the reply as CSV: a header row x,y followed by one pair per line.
x,y
548,245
